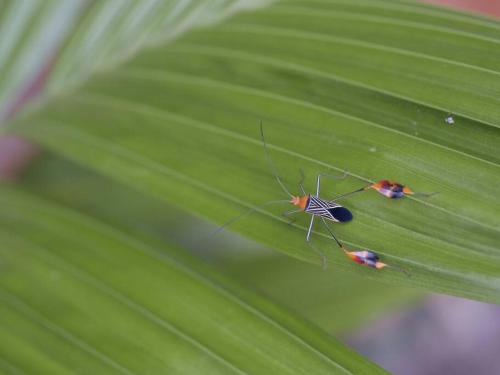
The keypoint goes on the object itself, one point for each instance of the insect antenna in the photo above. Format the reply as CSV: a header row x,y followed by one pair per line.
x,y
247,212
301,182
271,164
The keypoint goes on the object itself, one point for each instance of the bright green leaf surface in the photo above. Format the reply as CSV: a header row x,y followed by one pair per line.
x,y
75,297
180,121
335,301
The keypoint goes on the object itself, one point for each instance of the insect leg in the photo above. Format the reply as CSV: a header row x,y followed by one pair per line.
x,y
247,212
404,270
321,254
288,213
331,233
308,235
318,182
329,176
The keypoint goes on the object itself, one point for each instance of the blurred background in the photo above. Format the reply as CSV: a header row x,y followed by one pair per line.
x,y
405,331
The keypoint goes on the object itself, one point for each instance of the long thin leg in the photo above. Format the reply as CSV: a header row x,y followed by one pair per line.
x,y
318,179
247,212
404,270
321,254
310,229
338,197
331,233
288,213
318,182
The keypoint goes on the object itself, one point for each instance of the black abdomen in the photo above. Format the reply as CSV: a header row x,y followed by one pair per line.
x,y
341,214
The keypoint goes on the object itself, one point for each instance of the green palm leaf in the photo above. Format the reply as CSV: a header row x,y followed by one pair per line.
x,y
79,295
339,86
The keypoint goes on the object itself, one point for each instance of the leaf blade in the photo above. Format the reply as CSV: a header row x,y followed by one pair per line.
x,y
197,141
103,269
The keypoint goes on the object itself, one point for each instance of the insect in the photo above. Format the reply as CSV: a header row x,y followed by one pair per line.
x,y
364,257
388,188
309,203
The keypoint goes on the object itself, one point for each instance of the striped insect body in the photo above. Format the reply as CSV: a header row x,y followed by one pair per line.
x,y
327,209
308,203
